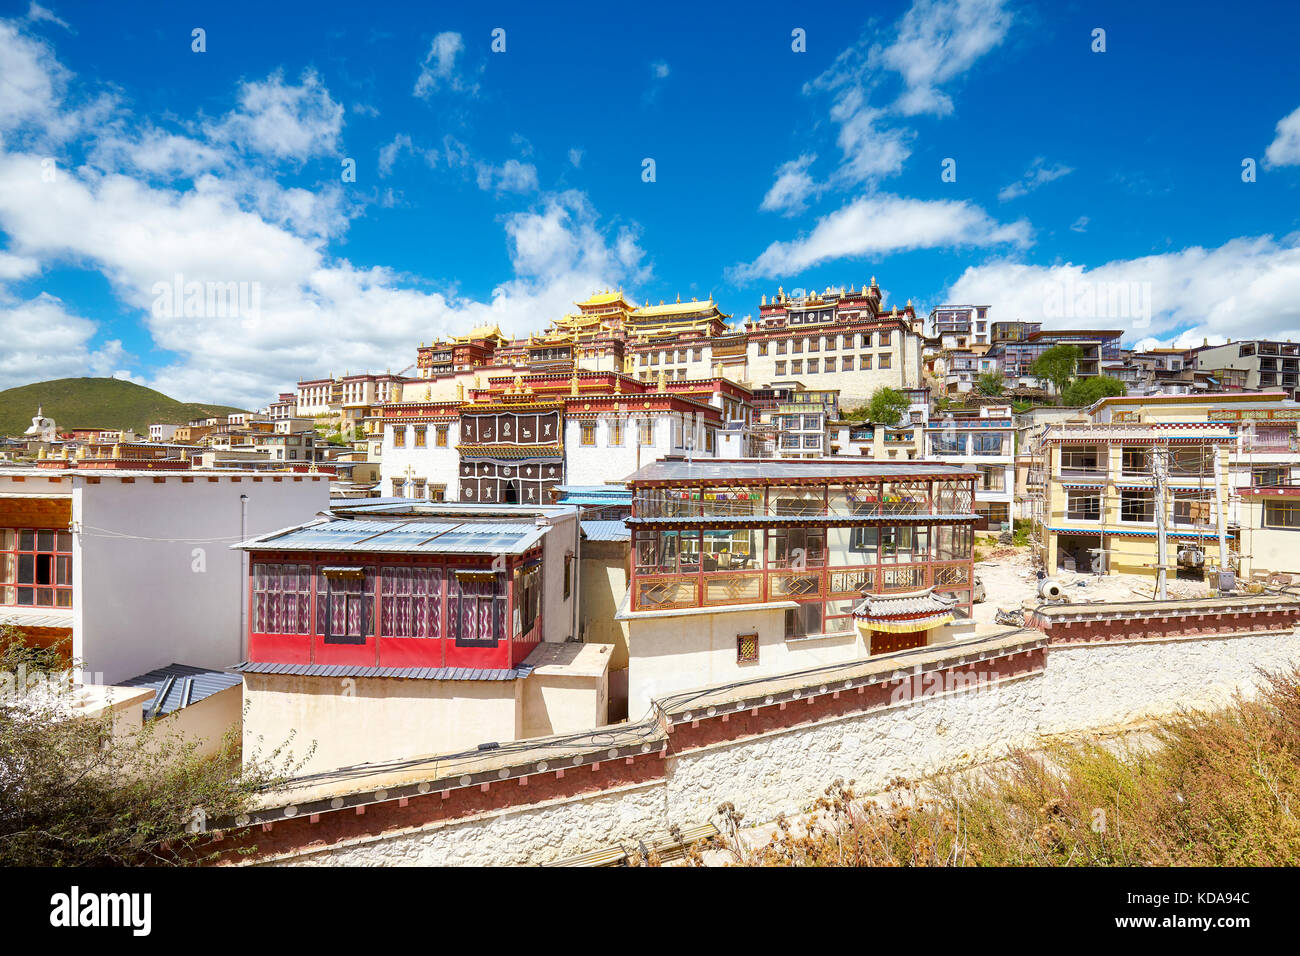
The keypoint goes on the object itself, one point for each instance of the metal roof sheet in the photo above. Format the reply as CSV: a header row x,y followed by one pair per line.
x,y
722,470
606,531
407,673
179,685
404,537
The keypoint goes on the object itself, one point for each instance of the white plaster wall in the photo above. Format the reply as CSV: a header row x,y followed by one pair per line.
x,y
670,654
541,834
436,465
1083,687
154,578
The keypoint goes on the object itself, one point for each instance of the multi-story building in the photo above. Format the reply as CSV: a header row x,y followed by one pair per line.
x,y
751,568
1267,364
515,438
456,624
329,396
1145,498
983,441
961,327
840,339
131,562
1099,352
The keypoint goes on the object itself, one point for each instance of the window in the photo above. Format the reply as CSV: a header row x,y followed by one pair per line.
x,y
345,601
814,344
399,436
35,567
886,360
528,595
1282,514
886,338
1268,476
1079,458
796,346
1137,505
746,648
411,604
647,433
762,348
796,548
866,363
616,432
986,444
1083,504
780,368
846,364
1136,460
476,608
796,367
440,437
588,433
803,620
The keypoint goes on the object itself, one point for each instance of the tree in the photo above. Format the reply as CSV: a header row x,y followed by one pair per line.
x,y
887,406
1085,391
1057,365
73,792
990,383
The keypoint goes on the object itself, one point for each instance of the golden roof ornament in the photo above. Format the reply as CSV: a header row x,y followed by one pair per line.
x,y
41,455
573,383
663,381
460,391
894,312
873,282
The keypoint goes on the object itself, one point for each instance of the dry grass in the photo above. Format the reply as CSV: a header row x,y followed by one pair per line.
x,y
1213,789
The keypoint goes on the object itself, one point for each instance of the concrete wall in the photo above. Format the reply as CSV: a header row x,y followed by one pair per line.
x,y
372,720
783,769
670,652
154,578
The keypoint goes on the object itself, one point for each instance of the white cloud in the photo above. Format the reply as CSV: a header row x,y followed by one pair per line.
x,y
1080,224
937,41
43,341
32,81
575,158
438,71
156,202
934,43
1285,148
281,120
1038,174
1248,286
879,224
659,70
789,194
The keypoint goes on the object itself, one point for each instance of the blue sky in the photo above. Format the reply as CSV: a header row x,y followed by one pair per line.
x,y
503,186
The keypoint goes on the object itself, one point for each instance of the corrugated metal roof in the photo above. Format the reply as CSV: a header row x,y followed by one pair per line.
x,y
606,531
722,470
22,617
407,673
179,685
405,537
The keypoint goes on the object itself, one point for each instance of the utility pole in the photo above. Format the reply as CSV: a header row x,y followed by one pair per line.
x,y
243,579
1159,470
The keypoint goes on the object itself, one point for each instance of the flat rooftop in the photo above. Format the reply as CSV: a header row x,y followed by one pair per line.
x,y
721,471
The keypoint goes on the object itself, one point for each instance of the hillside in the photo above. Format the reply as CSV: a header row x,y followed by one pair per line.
x,y
89,402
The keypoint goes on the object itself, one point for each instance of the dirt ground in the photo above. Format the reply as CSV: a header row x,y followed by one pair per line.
x,y
1009,579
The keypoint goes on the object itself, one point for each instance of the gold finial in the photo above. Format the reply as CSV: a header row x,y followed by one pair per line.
x,y
519,383
573,383
909,303
679,298
663,381
764,302
894,312
618,385
42,454
81,452
460,391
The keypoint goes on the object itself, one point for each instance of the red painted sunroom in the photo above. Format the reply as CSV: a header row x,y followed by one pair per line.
x,y
386,585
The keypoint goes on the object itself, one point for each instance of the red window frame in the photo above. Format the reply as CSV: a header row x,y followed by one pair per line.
x,y
15,546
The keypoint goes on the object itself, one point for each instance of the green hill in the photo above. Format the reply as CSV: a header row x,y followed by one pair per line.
x,y
91,402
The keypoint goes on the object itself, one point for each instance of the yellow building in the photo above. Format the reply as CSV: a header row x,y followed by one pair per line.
x,y
1137,498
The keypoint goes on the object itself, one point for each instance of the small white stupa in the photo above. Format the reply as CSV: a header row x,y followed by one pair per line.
x,y
42,429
